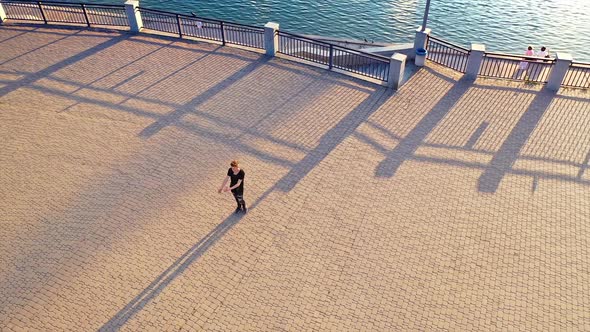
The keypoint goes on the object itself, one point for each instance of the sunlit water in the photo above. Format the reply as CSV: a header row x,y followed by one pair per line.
x,y
502,25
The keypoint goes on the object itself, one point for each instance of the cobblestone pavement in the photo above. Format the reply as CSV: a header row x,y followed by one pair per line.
x,y
449,205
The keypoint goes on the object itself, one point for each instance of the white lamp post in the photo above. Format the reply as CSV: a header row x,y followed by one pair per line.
x,y
425,15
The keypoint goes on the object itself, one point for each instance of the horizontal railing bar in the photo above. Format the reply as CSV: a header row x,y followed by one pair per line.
x,y
577,76
580,64
365,54
62,5
516,57
448,44
70,4
157,11
240,25
294,36
92,5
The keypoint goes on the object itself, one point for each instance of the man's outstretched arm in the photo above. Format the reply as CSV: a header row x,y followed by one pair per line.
x,y
223,184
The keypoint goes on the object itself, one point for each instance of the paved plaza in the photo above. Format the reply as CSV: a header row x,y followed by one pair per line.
x,y
450,205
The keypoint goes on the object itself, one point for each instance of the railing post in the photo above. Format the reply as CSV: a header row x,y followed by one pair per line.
x,y
222,33
397,66
2,14
420,39
85,15
271,38
474,60
559,70
331,60
179,25
42,12
133,15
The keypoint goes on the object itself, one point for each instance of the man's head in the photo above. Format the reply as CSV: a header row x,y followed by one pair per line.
x,y
235,165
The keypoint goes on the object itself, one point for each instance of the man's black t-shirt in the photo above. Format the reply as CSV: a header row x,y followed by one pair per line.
x,y
234,180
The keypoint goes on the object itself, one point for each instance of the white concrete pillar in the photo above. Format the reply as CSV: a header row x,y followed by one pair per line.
x,y
397,66
133,15
2,14
559,70
420,39
474,61
271,39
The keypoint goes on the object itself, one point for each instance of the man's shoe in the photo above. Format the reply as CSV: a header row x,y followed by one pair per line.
x,y
238,210
245,209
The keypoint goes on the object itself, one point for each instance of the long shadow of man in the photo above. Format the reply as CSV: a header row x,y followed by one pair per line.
x,y
329,141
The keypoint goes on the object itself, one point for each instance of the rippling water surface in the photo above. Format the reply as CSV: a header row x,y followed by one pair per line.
x,y
503,25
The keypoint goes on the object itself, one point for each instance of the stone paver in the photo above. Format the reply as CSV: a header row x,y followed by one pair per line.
x,y
449,205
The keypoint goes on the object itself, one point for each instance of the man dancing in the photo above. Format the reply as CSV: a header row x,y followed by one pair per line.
x,y
236,177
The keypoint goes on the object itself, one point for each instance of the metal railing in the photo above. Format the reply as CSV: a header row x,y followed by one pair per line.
x,y
578,75
361,63
516,67
63,13
334,56
244,35
29,11
447,54
162,21
66,12
106,15
200,27
304,48
324,53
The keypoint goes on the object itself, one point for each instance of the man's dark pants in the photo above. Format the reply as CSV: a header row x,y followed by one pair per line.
x,y
239,196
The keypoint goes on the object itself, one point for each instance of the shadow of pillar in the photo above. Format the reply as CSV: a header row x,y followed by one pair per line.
x,y
174,116
409,144
332,138
508,153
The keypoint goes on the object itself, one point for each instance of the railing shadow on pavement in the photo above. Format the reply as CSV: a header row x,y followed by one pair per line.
x,y
30,78
189,107
512,148
53,29
332,138
329,141
176,115
22,32
161,121
502,161
408,146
